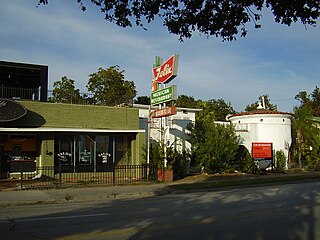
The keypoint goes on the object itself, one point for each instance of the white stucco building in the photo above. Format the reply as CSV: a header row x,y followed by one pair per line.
x,y
175,133
264,126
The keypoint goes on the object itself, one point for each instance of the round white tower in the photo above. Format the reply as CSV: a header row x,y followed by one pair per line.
x,y
264,126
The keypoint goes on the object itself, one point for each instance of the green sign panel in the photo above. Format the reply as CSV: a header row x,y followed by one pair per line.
x,y
164,95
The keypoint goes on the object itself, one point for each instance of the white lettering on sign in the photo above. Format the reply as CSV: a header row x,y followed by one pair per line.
x,y
164,112
3,104
161,92
161,72
167,71
261,144
162,98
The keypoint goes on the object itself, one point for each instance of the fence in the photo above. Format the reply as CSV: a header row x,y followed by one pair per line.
x,y
34,94
89,99
19,93
64,177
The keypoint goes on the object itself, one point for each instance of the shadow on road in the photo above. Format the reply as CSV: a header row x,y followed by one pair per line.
x,y
270,212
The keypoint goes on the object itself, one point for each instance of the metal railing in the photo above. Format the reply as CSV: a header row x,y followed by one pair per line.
x,y
34,94
20,93
62,177
87,99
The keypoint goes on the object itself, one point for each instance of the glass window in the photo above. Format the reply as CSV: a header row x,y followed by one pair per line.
x,y
123,150
100,152
85,150
104,153
20,147
64,149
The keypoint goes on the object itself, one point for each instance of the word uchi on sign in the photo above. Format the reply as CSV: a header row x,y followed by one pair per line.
x,y
167,71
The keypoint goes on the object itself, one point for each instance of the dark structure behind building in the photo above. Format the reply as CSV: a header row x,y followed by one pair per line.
x,y
23,81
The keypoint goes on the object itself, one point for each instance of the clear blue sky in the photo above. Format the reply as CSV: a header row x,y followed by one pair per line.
x,y
276,60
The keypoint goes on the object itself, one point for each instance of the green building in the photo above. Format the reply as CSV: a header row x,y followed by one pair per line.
x,y
96,138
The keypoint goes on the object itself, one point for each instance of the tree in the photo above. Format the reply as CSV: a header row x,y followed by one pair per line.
x,y
311,101
306,136
214,145
218,109
142,100
302,133
221,108
187,102
264,100
315,148
109,87
221,18
315,96
64,91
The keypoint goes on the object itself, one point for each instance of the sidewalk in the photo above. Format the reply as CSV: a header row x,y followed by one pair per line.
x,y
24,197
16,197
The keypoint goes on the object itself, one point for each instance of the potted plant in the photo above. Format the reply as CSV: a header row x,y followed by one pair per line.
x,y
165,174
157,156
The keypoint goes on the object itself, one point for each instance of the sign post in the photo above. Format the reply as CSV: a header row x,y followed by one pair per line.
x,y
163,73
262,156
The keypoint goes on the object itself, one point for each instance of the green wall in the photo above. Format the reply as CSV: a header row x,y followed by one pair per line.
x,y
45,114
58,115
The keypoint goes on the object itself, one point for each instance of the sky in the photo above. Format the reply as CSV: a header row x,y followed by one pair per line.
x,y
276,60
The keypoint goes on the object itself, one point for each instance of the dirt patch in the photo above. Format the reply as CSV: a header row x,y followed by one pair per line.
x,y
214,177
230,176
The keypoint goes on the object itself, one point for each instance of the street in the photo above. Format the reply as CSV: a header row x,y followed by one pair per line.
x,y
288,211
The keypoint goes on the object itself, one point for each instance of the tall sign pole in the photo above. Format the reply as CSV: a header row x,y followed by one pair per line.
x,y
163,73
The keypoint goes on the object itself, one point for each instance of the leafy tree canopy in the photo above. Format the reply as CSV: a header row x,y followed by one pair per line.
x,y
311,101
142,100
110,88
305,134
216,108
187,102
220,18
64,91
302,133
214,145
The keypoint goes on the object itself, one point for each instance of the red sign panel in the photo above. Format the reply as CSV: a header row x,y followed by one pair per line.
x,y
168,111
262,150
167,71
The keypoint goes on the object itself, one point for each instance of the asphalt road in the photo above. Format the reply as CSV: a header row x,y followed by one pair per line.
x,y
272,212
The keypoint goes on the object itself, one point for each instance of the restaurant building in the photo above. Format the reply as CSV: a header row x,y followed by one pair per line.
x,y
95,137
36,133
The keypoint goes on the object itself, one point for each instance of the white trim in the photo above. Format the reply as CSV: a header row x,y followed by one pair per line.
x,y
143,106
79,130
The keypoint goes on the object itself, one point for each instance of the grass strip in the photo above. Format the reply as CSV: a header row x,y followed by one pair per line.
x,y
243,182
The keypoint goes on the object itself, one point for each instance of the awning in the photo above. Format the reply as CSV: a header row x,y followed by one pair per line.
x,y
71,130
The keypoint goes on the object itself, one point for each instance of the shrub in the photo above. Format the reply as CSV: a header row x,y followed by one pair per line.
x,y
280,160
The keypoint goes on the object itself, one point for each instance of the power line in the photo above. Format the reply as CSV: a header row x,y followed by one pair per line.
x,y
279,100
